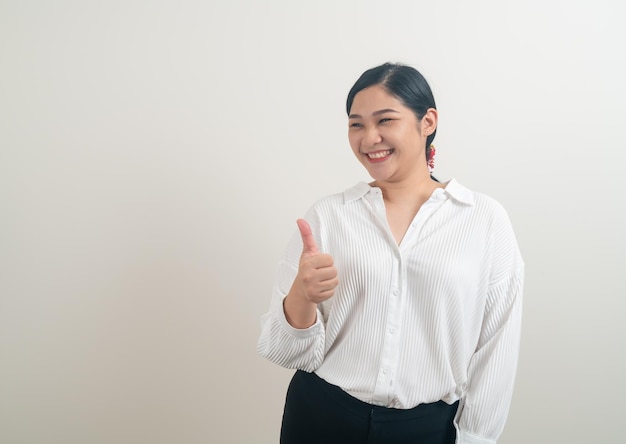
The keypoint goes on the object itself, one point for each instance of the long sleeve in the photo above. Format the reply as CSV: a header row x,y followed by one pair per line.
x,y
492,368
436,317
281,343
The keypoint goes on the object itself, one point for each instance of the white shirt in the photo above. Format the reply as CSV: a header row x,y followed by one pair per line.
x,y
434,318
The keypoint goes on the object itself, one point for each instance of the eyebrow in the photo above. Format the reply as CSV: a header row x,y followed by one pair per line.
x,y
375,113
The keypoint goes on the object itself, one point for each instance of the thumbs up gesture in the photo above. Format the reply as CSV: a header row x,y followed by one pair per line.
x,y
315,282
317,276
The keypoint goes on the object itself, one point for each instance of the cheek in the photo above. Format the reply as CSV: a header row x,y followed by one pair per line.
x,y
354,141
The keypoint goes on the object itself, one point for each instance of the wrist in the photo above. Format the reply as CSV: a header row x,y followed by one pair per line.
x,y
299,311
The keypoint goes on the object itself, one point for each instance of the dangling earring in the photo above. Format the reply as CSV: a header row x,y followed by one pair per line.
x,y
431,158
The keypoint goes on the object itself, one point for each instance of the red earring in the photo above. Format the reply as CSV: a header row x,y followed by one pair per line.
x,y
431,158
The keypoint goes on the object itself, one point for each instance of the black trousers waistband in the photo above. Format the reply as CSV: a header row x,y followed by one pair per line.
x,y
316,412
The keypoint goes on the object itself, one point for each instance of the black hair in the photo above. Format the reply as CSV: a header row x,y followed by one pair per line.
x,y
403,82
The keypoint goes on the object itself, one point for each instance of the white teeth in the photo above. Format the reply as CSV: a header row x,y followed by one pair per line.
x,y
379,154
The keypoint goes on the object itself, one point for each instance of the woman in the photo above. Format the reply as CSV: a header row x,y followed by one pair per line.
x,y
400,300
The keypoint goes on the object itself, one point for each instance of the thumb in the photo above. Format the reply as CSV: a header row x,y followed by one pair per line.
x,y
308,241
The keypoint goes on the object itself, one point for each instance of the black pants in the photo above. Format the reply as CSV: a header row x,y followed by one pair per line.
x,y
317,412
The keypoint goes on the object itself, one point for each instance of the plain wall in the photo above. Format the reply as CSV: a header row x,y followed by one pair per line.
x,y
154,156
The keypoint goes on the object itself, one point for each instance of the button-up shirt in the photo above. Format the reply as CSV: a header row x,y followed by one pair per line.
x,y
436,317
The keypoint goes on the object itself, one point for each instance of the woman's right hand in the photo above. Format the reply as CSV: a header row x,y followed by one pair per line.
x,y
315,282
317,276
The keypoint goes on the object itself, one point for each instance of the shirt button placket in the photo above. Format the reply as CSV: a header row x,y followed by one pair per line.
x,y
382,392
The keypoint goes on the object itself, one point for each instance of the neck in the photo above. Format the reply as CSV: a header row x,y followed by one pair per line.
x,y
419,188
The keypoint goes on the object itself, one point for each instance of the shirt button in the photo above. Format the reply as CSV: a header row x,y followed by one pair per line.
x,y
396,292
392,330
385,371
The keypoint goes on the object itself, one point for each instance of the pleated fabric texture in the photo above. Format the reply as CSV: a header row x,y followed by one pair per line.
x,y
435,318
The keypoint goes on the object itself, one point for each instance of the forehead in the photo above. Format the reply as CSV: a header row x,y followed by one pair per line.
x,y
375,98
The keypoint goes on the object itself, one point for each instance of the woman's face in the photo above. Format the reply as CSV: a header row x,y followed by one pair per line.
x,y
387,137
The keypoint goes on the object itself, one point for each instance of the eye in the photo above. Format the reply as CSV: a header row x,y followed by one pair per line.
x,y
356,125
385,120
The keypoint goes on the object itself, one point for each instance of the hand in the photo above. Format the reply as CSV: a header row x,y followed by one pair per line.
x,y
317,276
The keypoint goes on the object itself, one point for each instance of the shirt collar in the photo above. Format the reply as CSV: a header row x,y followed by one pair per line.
x,y
356,192
453,189
459,193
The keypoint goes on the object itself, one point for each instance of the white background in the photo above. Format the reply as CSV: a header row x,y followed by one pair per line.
x,y
154,156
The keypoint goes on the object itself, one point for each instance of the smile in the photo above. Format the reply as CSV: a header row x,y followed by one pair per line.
x,y
379,154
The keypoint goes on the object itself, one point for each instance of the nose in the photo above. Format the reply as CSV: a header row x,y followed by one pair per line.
x,y
372,137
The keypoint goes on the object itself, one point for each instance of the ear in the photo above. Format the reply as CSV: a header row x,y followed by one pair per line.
x,y
429,122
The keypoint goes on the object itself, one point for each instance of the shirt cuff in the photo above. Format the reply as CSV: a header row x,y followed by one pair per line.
x,y
301,333
464,437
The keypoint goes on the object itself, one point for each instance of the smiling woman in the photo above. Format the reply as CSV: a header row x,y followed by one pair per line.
x,y
402,84
400,301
